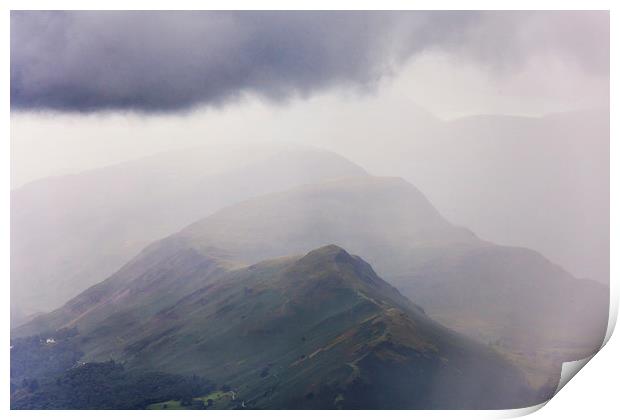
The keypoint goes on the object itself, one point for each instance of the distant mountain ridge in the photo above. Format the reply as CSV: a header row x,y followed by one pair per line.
x,y
535,182
70,232
369,214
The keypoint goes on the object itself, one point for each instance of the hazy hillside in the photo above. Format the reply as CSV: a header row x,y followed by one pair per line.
x,y
70,232
373,216
318,331
540,183
511,298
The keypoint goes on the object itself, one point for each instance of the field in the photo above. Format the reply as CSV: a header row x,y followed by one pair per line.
x,y
216,400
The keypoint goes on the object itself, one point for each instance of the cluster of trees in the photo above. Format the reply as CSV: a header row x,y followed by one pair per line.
x,y
46,374
108,385
33,358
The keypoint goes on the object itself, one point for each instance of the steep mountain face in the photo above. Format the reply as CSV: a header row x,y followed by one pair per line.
x,y
318,331
68,233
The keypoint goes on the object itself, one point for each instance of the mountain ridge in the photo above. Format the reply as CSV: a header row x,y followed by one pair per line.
x,y
317,330
81,228
512,300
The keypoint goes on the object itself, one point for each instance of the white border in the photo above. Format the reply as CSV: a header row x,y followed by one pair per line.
x,y
312,5
599,379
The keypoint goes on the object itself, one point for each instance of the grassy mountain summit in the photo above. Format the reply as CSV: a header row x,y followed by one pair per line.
x,y
321,330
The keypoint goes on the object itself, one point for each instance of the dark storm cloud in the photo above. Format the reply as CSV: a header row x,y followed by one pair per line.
x,y
170,61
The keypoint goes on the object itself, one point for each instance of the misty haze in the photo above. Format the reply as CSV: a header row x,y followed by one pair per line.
x,y
306,210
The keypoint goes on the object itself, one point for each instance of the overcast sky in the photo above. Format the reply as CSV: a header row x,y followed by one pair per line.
x,y
90,89
94,88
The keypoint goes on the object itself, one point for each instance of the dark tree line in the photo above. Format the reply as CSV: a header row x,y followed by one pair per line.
x,y
46,374
109,385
